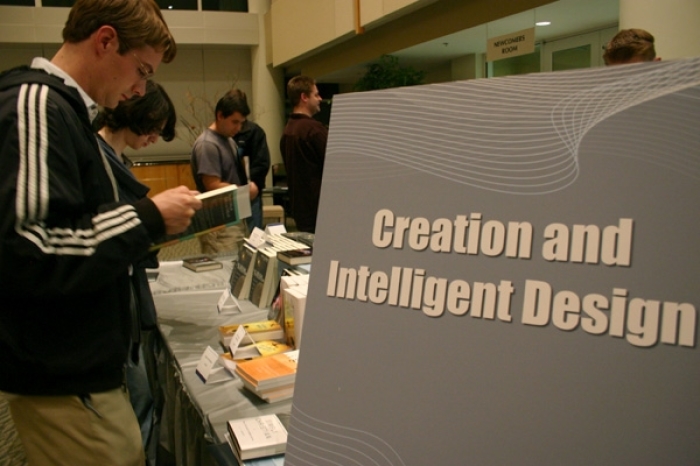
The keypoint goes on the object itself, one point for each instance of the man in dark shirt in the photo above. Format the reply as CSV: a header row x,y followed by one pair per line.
x,y
252,143
303,148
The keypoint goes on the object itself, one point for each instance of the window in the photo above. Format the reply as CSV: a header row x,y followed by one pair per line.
x,y
529,63
177,4
17,2
225,5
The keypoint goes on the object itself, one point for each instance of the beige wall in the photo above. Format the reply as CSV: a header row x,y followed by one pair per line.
x,y
221,49
214,54
675,24
199,75
434,20
296,31
44,25
319,23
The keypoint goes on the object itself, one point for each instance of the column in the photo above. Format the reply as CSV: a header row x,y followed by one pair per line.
x,y
268,87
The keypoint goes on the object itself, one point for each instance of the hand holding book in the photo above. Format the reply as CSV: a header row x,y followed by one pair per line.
x,y
177,206
219,208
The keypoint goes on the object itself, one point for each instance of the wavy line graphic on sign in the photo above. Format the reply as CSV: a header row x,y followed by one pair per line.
x,y
444,133
328,443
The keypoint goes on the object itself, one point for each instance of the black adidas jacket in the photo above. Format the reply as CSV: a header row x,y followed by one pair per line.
x,y
65,244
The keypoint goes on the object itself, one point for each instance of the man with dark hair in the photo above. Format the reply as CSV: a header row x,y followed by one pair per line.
x,y
136,123
252,143
67,240
630,46
303,147
215,164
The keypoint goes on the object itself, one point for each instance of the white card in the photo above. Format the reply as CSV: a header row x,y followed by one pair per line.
x,y
248,351
206,363
275,229
257,238
236,339
227,302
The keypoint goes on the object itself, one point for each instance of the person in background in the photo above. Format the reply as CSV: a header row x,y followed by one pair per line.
x,y
67,241
215,164
303,147
630,46
252,143
136,123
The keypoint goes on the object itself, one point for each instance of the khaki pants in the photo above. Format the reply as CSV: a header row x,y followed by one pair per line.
x,y
99,429
224,241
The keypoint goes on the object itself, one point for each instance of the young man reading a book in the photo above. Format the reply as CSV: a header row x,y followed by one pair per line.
x,y
67,241
215,164
137,123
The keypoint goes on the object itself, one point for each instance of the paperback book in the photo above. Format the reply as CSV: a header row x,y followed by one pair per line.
x,y
269,395
220,208
265,277
255,332
201,263
259,349
242,273
275,460
270,372
257,436
295,256
294,308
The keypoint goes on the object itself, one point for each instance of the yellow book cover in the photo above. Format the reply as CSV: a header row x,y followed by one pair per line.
x,y
258,331
257,350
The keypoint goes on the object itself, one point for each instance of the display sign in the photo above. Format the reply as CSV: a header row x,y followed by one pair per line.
x,y
511,45
504,269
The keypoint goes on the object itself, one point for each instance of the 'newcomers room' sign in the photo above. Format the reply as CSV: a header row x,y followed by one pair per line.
x,y
511,45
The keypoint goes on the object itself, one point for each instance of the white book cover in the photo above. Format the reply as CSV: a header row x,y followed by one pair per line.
x,y
258,436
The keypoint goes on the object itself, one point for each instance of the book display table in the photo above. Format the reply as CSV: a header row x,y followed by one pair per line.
x,y
194,413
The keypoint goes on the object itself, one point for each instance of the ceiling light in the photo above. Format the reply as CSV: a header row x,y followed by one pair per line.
x,y
543,23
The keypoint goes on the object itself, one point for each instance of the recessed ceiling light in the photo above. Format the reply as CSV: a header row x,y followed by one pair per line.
x,y
543,23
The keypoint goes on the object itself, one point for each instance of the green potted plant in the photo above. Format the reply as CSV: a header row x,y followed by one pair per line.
x,y
387,73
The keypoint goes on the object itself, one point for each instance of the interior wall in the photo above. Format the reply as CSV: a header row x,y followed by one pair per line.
x,y
195,80
675,24
434,20
203,72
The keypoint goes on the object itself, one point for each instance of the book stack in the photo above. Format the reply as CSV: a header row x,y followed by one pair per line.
x,y
257,437
302,237
295,256
282,243
260,349
293,290
265,277
255,332
270,378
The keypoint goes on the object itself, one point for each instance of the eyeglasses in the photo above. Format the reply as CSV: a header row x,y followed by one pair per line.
x,y
143,70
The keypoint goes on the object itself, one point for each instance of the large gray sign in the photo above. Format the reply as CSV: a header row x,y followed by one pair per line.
x,y
505,272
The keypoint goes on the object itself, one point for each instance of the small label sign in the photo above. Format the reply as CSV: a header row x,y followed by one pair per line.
x,y
511,45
